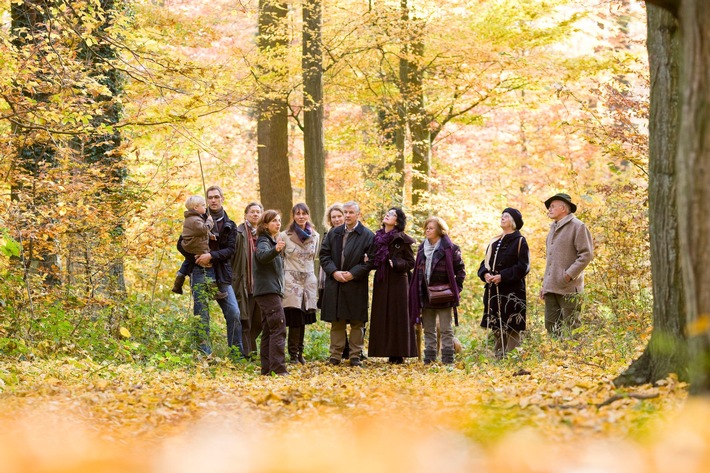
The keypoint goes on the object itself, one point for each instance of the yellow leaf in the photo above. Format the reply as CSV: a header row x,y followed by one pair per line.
x,y
699,325
125,333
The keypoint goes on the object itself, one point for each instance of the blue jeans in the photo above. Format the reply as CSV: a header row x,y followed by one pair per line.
x,y
201,281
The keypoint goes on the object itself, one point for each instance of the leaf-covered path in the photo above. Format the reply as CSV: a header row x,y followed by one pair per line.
x,y
323,418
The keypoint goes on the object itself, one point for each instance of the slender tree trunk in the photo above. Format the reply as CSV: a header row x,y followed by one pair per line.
x,y
421,135
667,351
103,149
693,189
272,125
313,134
417,117
38,154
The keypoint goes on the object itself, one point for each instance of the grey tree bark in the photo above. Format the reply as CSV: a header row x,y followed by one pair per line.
x,y
693,185
667,350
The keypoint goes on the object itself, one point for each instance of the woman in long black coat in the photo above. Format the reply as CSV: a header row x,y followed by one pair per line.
x,y
504,268
391,333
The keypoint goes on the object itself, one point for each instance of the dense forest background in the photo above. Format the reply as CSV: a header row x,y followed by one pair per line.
x,y
113,113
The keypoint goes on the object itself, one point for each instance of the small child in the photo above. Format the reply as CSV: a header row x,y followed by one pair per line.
x,y
195,239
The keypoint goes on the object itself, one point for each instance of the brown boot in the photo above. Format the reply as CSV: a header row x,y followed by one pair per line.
x,y
512,340
177,285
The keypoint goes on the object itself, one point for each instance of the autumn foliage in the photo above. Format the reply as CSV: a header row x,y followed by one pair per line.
x,y
523,99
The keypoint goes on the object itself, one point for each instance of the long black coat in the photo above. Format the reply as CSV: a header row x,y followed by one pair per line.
x,y
391,333
512,263
349,300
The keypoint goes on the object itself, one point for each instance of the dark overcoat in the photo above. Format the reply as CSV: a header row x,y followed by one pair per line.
x,y
507,298
391,333
239,271
349,300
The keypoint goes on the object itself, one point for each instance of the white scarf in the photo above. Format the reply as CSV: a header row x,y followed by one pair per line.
x,y
429,250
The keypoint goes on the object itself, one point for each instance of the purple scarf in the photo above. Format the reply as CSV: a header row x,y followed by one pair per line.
x,y
302,234
382,251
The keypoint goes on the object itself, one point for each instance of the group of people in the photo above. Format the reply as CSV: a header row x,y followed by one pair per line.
x,y
264,280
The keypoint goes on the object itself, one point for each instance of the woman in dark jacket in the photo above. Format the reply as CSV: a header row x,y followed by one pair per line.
x,y
503,270
268,273
438,265
391,334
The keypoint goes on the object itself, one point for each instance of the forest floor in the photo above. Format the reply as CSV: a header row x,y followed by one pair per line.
x,y
560,413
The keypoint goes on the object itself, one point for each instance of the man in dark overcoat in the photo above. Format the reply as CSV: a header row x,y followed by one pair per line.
x,y
242,280
345,296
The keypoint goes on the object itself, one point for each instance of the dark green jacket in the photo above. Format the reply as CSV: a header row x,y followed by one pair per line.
x,y
268,268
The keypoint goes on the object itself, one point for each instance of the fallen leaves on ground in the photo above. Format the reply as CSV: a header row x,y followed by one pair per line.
x,y
75,415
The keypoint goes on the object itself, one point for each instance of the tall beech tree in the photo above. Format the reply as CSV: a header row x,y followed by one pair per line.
x,y
679,51
272,125
313,131
666,351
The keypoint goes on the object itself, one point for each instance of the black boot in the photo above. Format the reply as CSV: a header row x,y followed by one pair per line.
x,y
179,281
301,345
429,356
447,356
292,340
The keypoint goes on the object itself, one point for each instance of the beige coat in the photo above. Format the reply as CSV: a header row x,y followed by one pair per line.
x,y
196,233
300,281
570,249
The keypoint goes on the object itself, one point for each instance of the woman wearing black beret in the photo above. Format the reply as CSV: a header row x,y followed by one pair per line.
x,y
503,269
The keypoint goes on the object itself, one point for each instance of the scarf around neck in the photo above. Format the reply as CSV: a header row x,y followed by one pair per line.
x,y
382,251
429,250
303,234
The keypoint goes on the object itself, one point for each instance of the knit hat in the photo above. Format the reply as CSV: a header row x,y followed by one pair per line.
x,y
516,215
563,197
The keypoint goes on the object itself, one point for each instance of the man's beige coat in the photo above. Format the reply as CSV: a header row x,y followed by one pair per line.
x,y
570,249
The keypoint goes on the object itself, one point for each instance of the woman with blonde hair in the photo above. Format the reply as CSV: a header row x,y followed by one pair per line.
x,y
437,281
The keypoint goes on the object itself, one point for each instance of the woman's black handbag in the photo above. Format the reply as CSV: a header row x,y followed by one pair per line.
x,y
440,294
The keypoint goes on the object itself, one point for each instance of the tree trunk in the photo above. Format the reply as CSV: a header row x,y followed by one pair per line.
x,y
666,352
693,189
272,125
103,149
421,135
313,136
34,158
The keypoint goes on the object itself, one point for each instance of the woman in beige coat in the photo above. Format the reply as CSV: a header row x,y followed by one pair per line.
x,y
300,281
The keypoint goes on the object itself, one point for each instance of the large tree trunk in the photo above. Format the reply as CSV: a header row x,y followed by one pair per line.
x,y
666,352
313,136
272,126
693,189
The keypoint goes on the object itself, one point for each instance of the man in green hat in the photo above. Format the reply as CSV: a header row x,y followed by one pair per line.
x,y
570,249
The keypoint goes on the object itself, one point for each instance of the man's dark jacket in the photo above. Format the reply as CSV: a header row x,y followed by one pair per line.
x,y
222,256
